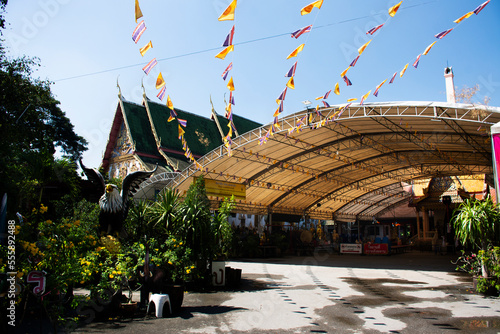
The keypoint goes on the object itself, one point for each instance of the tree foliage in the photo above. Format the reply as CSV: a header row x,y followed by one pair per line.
x,y
475,221
33,128
467,95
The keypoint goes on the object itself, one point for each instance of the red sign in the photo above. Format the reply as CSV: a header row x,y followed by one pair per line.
x,y
376,249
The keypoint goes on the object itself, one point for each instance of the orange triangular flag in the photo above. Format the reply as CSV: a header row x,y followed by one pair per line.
x,y
228,14
393,10
159,81
403,71
428,49
344,72
145,48
463,17
307,9
277,112
290,83
337,89
230,85
364,97
223,53
363,47
138,12
296,51
170,105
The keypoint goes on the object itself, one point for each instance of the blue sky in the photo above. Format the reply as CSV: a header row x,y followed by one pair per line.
x,y
86,46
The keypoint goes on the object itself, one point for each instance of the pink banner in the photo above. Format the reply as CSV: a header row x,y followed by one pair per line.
x,y
496,154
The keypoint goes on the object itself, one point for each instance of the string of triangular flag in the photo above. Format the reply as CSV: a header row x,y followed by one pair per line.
x,y
392,12
228,15
160,82
415,63
291,72
301,122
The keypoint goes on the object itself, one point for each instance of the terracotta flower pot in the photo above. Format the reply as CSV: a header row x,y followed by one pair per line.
x,y
128,309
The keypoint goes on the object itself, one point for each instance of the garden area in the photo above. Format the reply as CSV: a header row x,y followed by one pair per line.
x,y
68,272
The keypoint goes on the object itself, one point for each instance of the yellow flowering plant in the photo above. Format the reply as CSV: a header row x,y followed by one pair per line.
x,y
55,246
174,258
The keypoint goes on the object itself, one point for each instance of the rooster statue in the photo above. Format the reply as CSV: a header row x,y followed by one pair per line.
x,y
113,204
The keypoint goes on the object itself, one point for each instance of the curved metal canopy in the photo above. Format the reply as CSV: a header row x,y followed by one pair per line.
x,y
347,163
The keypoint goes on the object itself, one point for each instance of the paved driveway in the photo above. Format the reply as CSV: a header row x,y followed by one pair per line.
x,y
330,293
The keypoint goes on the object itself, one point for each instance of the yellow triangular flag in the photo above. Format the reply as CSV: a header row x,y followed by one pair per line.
x,y
296,51
350,100
364,97
228,14
403,71
290,83
145,48
463,17
138,12
307,9
363,47
277,112
337,89
181,131
344,72
428,49
223,53
393,10
230,85
159,81
170,118
170,105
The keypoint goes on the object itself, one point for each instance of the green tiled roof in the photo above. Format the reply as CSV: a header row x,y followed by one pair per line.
x,y
140,128
201,133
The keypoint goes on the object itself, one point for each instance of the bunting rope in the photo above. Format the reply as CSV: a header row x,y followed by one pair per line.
x,y
392,12
302,121
161,85
291,72
228,15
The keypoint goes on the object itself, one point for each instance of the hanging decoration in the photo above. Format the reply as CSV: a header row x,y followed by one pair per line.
x,y
228,15
291,72
160,82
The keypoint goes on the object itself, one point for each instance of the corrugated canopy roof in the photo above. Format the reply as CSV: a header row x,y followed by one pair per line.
x,y
350,164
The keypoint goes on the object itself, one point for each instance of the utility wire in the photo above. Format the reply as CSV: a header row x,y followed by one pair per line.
x,y
217,48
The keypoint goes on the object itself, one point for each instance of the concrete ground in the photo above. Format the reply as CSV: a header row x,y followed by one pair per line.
x,y
329,293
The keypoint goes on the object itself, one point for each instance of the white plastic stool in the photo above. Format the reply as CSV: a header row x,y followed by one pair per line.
x,y
159,300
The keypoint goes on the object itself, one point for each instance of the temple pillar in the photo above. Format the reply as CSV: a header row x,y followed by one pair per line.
x,y
425,222
419,236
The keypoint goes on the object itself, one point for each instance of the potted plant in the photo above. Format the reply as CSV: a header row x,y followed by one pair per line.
x,y
126,273
474,222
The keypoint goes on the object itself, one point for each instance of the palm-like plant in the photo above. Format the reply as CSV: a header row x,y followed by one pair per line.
x,y
138,219
474,223
164,210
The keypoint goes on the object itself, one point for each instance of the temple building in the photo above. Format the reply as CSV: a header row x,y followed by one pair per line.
x,y
141,137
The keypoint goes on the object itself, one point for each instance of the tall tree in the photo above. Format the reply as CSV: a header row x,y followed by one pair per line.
x,y
32,124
